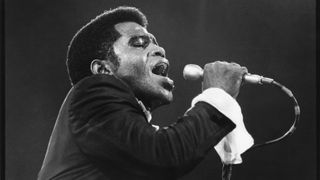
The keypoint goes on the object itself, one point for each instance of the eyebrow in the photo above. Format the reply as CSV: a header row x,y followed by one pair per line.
x,y
154,40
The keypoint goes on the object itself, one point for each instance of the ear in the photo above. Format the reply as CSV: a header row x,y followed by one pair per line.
x,y
100,67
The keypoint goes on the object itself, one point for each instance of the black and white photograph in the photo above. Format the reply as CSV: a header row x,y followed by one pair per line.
x,y
159,90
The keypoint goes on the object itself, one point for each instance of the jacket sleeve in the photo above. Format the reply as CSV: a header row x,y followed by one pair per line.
x,y
108,124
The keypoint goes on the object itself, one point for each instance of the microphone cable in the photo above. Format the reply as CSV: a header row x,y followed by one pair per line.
x,y
293,127
227,168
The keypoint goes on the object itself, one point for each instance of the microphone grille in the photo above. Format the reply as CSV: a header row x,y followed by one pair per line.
x,y
192,72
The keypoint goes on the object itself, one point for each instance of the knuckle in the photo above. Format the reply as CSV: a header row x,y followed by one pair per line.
x,y
224,63
235,64
206,66
218,62
210,65
244,69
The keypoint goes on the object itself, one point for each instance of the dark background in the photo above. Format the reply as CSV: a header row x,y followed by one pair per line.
x,y
272,38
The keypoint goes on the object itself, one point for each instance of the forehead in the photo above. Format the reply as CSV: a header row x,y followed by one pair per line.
x,y
131,29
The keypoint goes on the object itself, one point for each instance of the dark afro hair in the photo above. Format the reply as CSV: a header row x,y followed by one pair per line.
x,y
95,40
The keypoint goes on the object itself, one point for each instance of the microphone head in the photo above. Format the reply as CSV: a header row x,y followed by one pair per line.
x,y
192,72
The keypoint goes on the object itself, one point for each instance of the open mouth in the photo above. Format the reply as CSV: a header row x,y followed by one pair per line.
x,y
161,69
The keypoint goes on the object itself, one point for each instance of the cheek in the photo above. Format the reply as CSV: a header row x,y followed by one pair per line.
x,y
134,66
139,67
132,63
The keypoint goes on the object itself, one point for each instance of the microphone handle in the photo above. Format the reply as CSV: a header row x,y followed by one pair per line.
x,y
194,72
256,79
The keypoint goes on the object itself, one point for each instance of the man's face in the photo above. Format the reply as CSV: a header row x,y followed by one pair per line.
x,y
143,65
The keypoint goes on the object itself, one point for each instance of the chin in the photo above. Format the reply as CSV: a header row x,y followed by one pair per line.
x,y
153,97
164,100
167,97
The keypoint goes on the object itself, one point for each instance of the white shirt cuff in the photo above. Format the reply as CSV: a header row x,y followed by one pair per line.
x,y
238,140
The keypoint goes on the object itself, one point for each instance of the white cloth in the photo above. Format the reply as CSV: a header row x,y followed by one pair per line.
x,y
147,113
238,140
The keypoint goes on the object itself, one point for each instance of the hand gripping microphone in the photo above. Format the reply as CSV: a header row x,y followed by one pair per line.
x,y
194,72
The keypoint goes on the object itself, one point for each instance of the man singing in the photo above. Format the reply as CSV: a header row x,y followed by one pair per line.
x,y
119,74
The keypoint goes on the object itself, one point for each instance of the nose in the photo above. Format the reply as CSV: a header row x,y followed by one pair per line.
x,y
158,51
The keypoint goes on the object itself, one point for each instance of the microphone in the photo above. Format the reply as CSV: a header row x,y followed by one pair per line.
x,y
195,72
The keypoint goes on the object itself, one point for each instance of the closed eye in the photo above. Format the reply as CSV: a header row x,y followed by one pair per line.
x,y
139,41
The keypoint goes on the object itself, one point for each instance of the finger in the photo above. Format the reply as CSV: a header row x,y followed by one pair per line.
x,y
244,69
244,72
220,62
235,64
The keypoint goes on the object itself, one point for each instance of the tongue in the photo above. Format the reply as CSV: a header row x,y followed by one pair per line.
x,y
159,70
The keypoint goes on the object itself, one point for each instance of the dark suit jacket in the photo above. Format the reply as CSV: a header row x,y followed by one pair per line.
x,y
101,133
